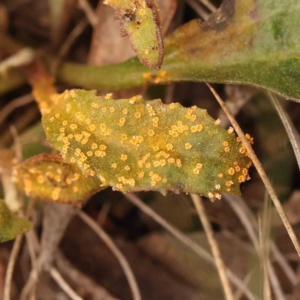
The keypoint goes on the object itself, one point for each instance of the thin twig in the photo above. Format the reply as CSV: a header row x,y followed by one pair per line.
x,y
83,282
188,242
208,5
238,293
114,249
289,126
198,9
89,12
11,106
11,266
63,284
197,200
249,222
260,171
64,49
263,230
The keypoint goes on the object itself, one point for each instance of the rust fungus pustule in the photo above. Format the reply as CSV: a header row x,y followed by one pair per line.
x,y
182,148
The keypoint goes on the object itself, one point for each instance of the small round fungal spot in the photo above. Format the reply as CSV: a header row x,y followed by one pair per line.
x,y
108,96
229,183
230,130
220,175
210,195
125,111
113,165
123,137
104,109
127,168
55,194
132,100
196,171
245,172
150,132
169,146
199,166
188,146
40,179
178,163
102,147
156,163
137,115
124,157
94,146
231,171
89,153
241,178
218,196
227,149
217,186
218,122
242,150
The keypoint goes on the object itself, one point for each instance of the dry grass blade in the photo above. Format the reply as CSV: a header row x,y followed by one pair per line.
x,y
89,12
82,282
11,266
188,242
74,34
198,9
63,284
289,126
118,254
260,171
10,107
213,245
249,222
208,5
264,232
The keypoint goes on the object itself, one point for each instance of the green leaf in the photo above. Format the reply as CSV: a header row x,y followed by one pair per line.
x,y
11,225
48,177
245,41
140,20
138,145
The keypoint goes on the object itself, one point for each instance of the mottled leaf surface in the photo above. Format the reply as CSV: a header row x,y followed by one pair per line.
x,y
11,225
138,145
140,20
49,177
246,41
